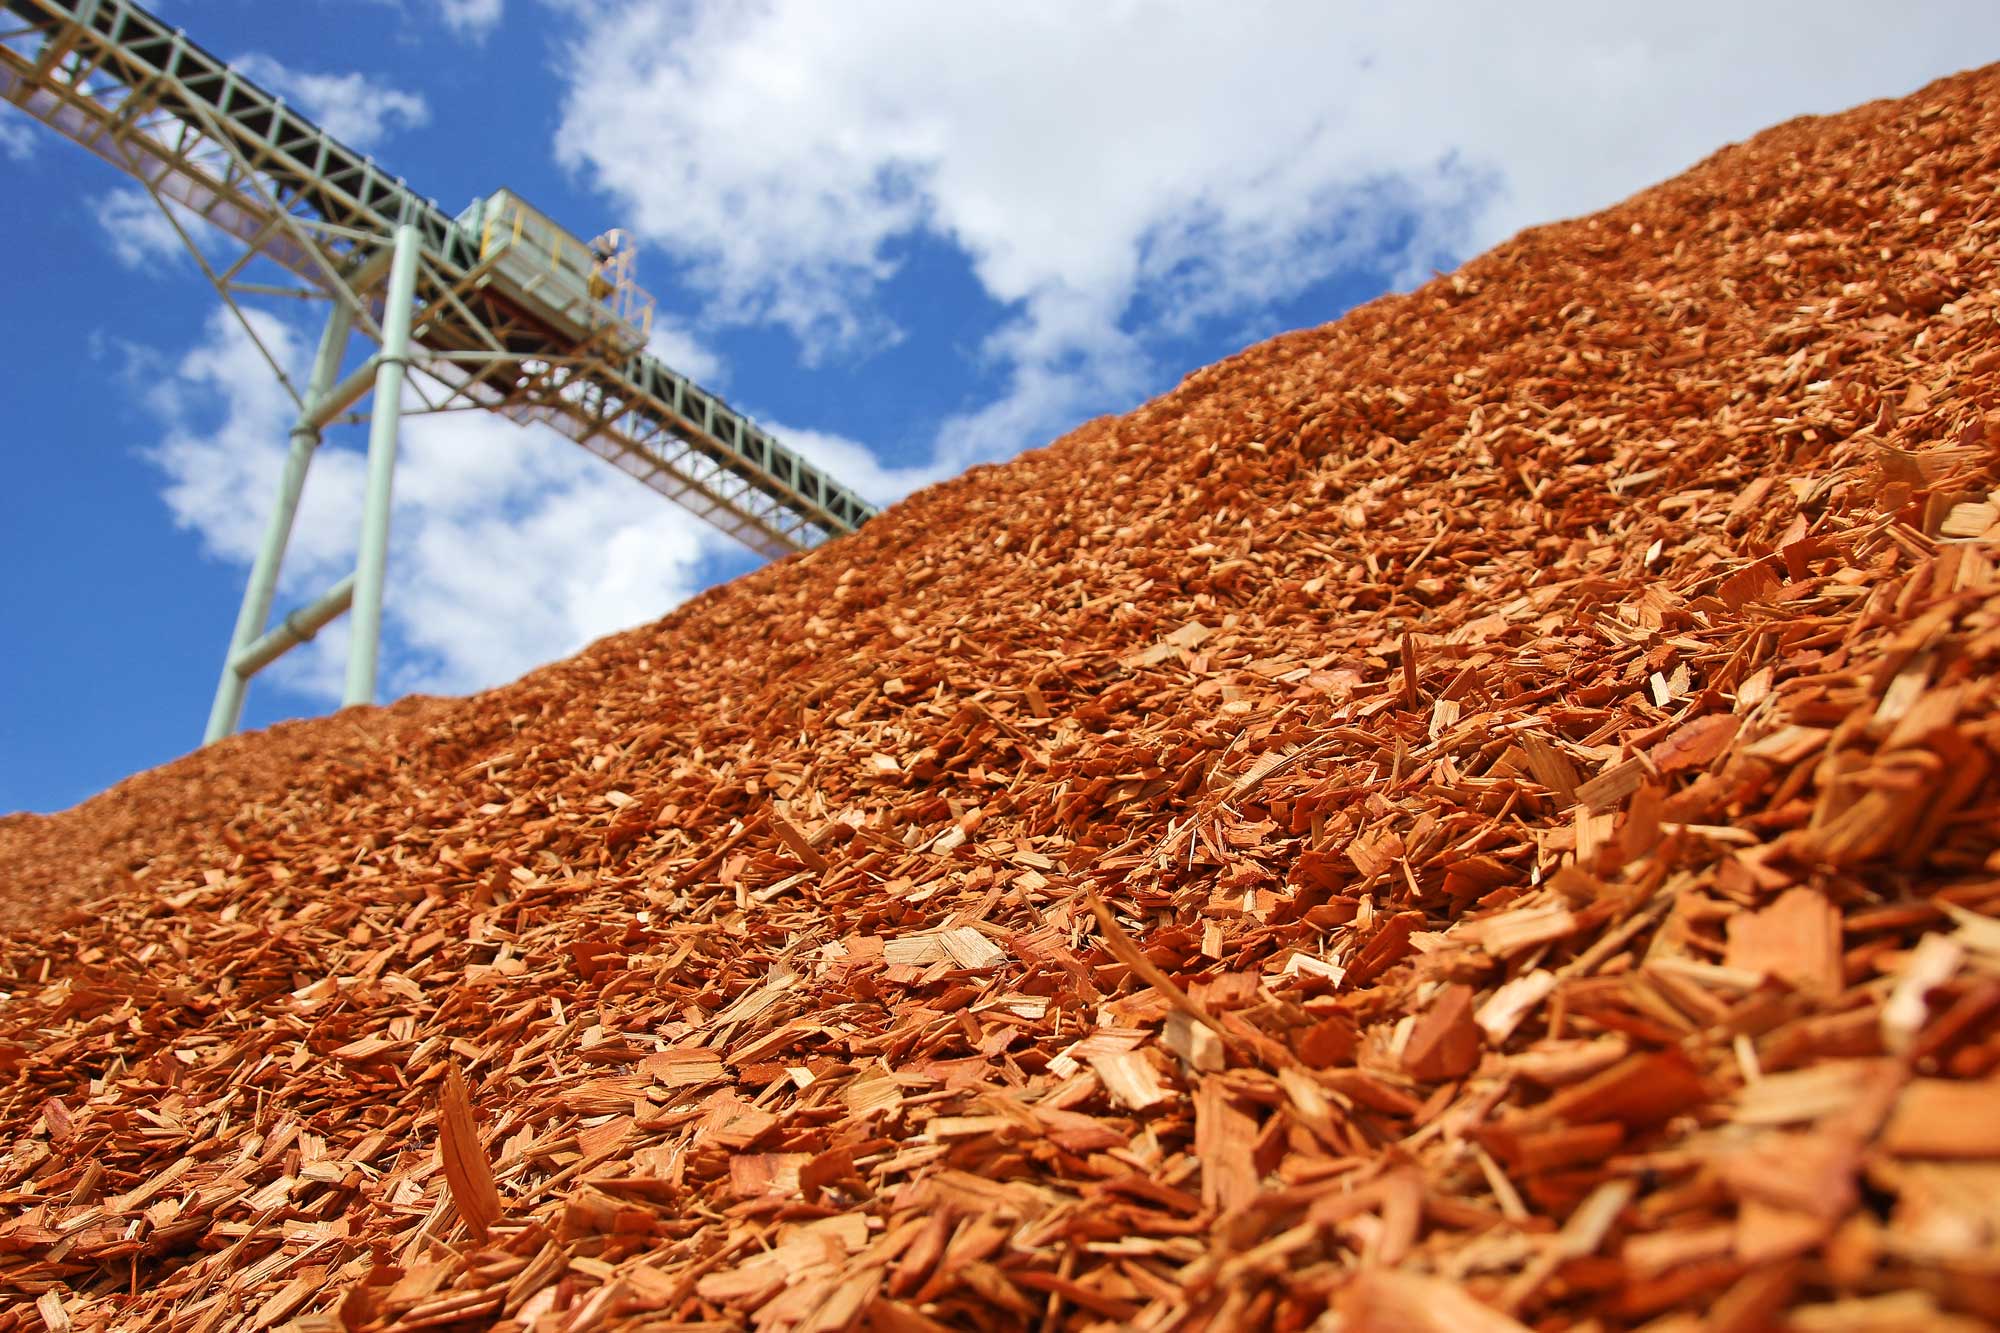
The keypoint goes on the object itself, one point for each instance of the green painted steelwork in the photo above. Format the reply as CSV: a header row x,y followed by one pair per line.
x,y
227,711
121,82
372,566
209,144
295,629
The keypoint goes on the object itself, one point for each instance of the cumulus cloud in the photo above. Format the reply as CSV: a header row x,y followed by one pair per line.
x,y
1113,174
354,108
677,345
472,18
855,465
140,235
17,135
509,547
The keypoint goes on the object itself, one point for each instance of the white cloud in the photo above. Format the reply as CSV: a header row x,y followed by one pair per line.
x,y
674,344
141,236
854,464
17,135
139,233
222,465
1113,172
472,18
509,547
354,108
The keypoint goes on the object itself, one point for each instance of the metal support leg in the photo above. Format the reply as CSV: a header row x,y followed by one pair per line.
x,y
227,710
373,562
296,628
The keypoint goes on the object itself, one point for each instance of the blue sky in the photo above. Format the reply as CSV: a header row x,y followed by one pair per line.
x,y
910,237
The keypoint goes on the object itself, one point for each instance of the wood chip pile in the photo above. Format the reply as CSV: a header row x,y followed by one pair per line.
x,y
54,864
1481,816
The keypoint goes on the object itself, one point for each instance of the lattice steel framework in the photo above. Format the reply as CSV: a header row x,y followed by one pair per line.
x,y
305,216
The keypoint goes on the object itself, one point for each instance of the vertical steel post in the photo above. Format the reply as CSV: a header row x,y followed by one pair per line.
x,y
372,565
227,710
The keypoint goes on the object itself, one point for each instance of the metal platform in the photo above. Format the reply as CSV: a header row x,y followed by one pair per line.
x,y
497,308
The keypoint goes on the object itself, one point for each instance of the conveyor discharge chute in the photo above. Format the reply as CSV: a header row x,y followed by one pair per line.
x,y
584,292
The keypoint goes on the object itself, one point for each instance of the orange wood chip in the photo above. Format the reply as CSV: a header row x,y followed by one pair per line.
x,y
466,1168
1941,1118
1796,939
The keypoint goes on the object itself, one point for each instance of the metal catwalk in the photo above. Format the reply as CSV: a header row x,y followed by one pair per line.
x,y
497,308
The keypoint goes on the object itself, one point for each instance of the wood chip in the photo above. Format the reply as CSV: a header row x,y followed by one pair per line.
x,y
1940,1118
466,1168
1796,939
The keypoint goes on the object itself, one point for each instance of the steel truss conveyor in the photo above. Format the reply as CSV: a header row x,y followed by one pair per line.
x,y
498,308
